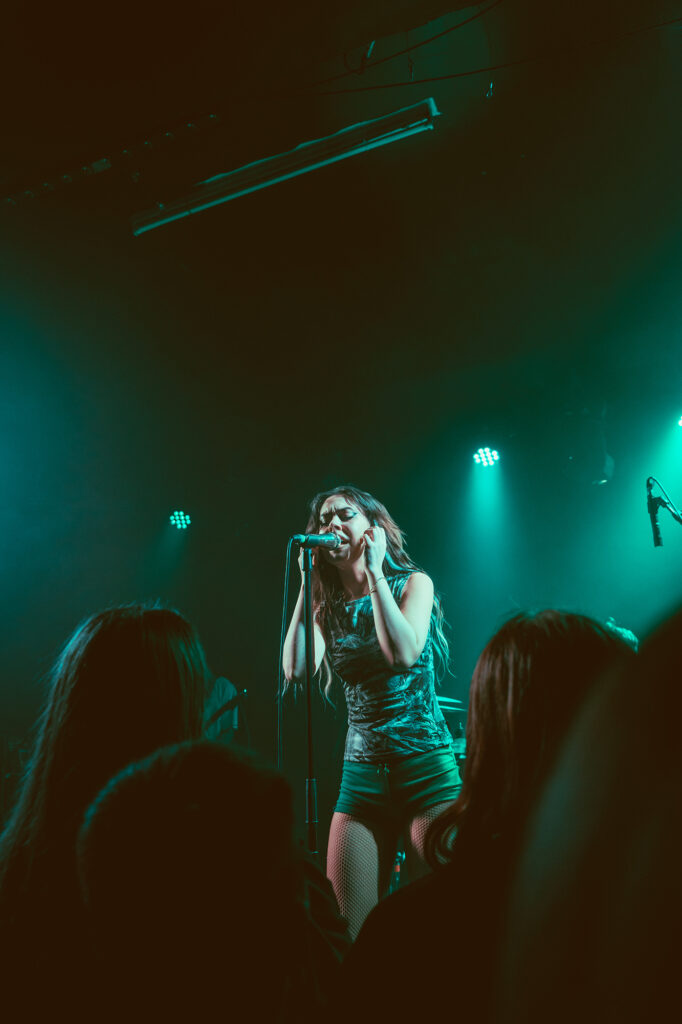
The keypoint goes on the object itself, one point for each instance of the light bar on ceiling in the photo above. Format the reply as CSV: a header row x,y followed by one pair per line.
x,y
309,156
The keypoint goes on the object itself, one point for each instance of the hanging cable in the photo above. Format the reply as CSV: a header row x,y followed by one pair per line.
x,y
408,49
507,64
280,671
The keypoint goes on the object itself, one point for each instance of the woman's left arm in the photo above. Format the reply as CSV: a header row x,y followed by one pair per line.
x,y
401,629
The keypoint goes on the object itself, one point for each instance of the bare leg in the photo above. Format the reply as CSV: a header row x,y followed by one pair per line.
x,y
416,831
359,862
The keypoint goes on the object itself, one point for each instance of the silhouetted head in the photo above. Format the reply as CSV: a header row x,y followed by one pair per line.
x,y
594,923
129,680
190,877
529,681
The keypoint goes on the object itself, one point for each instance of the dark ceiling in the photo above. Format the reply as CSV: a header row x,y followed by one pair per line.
x,y
511,278
76,78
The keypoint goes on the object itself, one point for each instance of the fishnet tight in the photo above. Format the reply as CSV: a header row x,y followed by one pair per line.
x,y
416,832
360,859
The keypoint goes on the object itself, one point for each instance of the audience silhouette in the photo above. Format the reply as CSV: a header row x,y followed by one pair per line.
x,y
129,680
594,922
527,686
196,893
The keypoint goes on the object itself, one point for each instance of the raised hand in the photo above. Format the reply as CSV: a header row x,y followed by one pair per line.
x,y
375,549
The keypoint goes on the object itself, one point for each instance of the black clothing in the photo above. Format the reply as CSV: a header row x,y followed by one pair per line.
x,y
430,950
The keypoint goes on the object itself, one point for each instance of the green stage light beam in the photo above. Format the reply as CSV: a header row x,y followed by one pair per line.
x,y
665,461
488,520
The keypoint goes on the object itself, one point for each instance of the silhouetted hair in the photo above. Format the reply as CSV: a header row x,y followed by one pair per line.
x,y
327,593
197,826
190,875
528,683
129,680
594,918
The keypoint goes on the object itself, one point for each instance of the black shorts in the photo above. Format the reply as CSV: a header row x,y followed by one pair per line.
x,y
399,790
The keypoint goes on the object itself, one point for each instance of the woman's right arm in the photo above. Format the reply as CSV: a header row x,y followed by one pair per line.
x,y
293,657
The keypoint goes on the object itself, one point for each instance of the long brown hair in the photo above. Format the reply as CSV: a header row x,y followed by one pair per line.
x,y
129,680
528,684
327,594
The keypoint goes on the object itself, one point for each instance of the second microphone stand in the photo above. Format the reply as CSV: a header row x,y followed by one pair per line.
x,y
655,504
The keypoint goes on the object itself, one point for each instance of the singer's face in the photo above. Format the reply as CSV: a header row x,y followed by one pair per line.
x,y
341,517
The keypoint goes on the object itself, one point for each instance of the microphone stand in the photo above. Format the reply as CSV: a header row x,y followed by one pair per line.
x,y
655,504
311,819
224,708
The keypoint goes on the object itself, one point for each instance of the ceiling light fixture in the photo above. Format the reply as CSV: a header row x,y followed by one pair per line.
x,y
309,156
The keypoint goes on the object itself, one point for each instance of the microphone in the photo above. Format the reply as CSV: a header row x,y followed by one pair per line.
x,y
316,540
653,505
228,706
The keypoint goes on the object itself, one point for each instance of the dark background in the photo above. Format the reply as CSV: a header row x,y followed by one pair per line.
x,y
510,279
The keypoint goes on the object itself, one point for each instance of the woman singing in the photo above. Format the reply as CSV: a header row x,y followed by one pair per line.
x,y
377,624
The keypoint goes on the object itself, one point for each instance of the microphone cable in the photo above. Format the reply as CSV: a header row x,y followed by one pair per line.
x,y
280,670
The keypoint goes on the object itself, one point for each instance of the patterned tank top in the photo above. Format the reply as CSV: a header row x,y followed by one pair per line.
x,y
390,713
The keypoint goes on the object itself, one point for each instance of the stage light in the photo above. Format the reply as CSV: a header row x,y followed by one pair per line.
x,y
679,422
180,520
486,457
309,156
